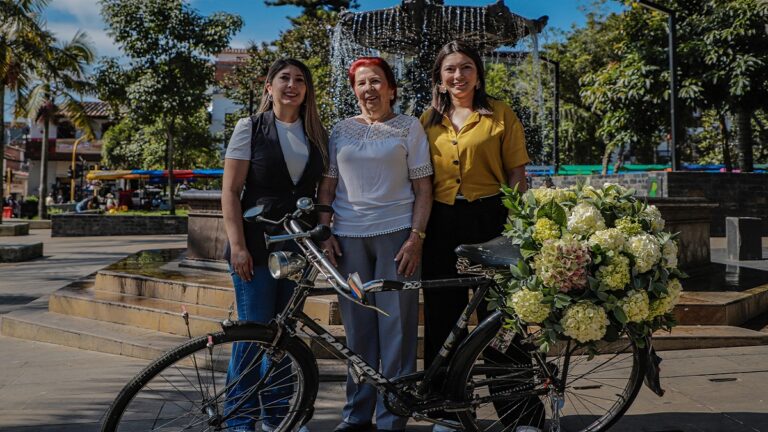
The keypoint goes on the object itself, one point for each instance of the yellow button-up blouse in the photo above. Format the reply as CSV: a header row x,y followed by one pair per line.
x,y
474,161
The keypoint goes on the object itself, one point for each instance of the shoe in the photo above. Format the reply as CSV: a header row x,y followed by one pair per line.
x,y
351,427
441,428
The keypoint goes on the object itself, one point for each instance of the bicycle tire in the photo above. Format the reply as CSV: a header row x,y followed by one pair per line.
x,y
587,386
181,366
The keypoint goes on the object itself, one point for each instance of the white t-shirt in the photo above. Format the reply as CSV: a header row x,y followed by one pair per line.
x,y
293,142
374,165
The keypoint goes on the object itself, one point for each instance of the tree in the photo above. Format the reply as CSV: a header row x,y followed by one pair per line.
x,y
129,145
60,81
308,40
22,40
167,43
619,63
312,7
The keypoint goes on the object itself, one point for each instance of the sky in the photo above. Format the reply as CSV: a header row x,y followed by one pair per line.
x,y
264,23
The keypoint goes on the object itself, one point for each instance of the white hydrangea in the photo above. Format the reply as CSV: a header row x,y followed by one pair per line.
x,y
527,305
653,216
611,239
635,306
544,195
669,253
646,250
585,219
667,303
584,322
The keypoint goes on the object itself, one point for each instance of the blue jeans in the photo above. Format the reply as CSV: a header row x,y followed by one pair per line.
x,y
259,300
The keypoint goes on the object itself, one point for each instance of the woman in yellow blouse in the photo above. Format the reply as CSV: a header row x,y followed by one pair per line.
x,y
477,145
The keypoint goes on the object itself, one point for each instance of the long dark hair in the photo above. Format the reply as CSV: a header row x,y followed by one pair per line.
x,y
313,127
441,102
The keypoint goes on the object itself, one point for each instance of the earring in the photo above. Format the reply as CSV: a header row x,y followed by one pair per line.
x,y
269,97
477,86
441,88
392,97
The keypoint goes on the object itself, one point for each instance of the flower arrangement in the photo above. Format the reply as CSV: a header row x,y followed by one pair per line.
x,y
596,264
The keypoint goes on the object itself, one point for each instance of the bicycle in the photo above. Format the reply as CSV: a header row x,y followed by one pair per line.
x,y
490,380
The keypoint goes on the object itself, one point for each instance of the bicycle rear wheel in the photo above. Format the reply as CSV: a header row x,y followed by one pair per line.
x,y
188,388
510,389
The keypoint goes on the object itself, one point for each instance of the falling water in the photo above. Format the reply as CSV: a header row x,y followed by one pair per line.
x,y
386,33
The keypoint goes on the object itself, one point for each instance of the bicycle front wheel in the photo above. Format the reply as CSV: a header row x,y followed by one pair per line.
x,y
511,390
202,386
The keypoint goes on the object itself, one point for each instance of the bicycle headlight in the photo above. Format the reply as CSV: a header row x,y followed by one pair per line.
x,y
283,265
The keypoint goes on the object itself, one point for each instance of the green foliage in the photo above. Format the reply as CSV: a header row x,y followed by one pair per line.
x,y
309,41
169,45
313,7
615,79
506,82
129,145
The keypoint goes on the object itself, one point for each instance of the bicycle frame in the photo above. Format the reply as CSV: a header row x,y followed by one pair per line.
x,y
292,315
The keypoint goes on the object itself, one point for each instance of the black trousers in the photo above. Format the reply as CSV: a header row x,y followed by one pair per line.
x,y
450,226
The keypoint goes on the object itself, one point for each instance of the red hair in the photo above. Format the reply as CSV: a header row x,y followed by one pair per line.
x,y
381,64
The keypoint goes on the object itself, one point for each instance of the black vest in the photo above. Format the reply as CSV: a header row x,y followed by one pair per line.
x,y
269,183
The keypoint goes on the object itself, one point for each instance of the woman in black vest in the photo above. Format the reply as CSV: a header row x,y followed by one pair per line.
x,y
273,158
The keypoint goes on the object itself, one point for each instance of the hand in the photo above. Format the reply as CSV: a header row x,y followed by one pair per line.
x,y
242,263
331,249
409,256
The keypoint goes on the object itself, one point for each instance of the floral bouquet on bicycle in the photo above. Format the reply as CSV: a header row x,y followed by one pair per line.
x,y
596,264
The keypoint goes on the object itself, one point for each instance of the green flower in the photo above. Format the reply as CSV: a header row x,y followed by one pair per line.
x,y
646,250
667,303
615,275
611,239
584,322
635,306
669,254
585,219
545,229
628,226
653,216
527,305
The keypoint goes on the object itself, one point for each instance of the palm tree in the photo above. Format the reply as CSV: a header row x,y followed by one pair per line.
x,y
22,40
61,78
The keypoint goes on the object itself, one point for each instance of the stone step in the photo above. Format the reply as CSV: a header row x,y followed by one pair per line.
x,y
685,337
216,291
721,308
81,300
34,323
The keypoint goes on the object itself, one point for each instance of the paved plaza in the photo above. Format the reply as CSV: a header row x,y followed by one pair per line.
x,y
51,388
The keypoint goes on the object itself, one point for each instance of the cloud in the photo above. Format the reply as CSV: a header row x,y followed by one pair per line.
x,y
102,42
87,12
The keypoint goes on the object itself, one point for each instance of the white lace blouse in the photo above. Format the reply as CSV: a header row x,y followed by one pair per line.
x,y
374,165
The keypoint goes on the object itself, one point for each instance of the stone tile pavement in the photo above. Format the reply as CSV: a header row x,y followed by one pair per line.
x,y
50,388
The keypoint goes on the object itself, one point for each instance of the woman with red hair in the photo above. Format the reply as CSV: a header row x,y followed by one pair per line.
x,y
379,184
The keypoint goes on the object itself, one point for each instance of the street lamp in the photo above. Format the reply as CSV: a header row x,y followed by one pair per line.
x,y
672,20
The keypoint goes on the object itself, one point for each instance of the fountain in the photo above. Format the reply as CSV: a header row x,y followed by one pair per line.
x,y
411,34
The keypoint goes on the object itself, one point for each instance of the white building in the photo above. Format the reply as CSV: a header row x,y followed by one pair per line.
x,y
62,136
222,108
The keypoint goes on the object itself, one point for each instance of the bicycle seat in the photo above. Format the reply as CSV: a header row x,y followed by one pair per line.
x,y
497,253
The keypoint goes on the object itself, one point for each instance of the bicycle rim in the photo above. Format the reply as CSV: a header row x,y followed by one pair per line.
x,y
189,388
511,394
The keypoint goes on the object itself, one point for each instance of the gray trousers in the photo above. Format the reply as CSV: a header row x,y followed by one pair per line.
x,y
388,343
